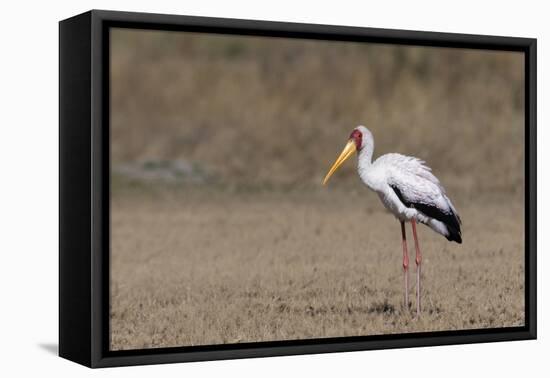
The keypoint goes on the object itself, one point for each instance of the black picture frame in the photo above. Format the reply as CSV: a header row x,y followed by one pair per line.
x,y
84,187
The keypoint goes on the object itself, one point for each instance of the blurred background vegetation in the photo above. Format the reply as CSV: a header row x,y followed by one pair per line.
x,y
272,113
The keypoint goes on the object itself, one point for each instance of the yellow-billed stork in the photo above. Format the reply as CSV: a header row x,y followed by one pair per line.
x,y
409,190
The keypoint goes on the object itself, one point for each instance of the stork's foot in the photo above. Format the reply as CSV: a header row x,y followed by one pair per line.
x,y
418,300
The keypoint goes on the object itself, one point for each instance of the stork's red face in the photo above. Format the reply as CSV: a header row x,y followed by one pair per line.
x,y
355,143
357,137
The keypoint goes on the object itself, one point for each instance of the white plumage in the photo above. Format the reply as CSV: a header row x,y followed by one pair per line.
x,y
408,189
406,186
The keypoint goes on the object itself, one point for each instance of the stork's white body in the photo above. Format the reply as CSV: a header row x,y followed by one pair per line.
x,y
406,186
409,190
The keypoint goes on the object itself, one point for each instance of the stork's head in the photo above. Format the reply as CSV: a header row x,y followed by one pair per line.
x,y
360,140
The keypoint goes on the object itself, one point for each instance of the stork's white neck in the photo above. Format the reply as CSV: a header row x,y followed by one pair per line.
x,y
364,166
364,157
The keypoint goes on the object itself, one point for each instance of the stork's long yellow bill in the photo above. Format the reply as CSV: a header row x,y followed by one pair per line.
x,y
346,153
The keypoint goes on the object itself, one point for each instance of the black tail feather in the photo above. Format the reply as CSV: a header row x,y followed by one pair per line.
x,y
454,234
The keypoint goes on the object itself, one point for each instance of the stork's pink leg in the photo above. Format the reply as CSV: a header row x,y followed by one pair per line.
x,y
418,266
405,264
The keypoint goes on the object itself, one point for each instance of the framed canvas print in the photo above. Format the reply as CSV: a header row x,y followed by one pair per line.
x,y
234,188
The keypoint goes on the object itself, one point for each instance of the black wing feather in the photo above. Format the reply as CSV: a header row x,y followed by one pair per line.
x,y
450,219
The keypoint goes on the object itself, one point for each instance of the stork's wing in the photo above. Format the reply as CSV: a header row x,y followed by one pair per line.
x,y
415,186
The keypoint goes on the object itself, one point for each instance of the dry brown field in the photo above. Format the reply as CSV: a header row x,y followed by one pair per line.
x,y
208,268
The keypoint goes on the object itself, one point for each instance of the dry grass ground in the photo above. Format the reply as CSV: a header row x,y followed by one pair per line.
x,y
196,268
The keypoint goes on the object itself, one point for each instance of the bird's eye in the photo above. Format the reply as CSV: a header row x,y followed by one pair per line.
x,y
357,137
